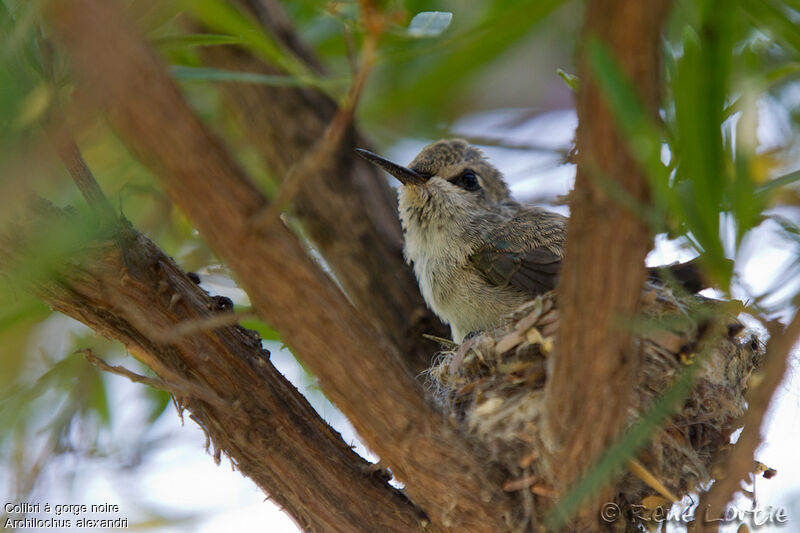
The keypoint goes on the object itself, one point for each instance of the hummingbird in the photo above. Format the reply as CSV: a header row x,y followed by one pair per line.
x,y
477,253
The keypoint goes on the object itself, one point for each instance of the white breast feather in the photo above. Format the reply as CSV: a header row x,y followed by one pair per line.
x,y
452,288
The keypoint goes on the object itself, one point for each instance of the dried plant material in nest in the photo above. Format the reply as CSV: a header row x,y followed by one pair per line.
x,y
493,384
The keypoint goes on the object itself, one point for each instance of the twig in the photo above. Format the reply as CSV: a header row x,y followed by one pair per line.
x,y
57,130
515,145
350,47
199,325
640,471
122,371
84,179
318,157
524,482
740,461
186,390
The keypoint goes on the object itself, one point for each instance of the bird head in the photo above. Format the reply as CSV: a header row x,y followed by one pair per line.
x,y
447,176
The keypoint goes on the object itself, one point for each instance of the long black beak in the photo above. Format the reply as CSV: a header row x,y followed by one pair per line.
x,y
405,175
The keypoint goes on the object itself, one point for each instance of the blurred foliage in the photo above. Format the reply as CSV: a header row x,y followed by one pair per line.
x,y
718,183
713,182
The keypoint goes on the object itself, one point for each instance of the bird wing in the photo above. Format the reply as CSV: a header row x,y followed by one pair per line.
x,y
525,252
533,270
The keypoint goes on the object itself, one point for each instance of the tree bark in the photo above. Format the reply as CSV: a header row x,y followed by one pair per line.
x,y
357,368
250,412
603,270
348,211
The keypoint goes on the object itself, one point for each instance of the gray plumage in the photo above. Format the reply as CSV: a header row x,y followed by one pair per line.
x,y
477,254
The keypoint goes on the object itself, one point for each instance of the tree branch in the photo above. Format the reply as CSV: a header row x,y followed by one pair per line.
x,y
603,270
356,367
223,377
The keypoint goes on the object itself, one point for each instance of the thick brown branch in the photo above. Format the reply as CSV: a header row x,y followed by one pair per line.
x,y
357,368
740,461
223,377
348,209
606,247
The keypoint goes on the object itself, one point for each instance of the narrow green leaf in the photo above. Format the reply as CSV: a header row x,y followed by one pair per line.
x,y
23,21
703,180
266,332
97,400
159,401
781,181
227,19
745,204
770,19
186,73
642,134
429,23
570,79
419,66
6,19
766,82
194,40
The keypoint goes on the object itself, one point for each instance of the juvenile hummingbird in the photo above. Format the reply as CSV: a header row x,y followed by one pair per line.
x,y
477,254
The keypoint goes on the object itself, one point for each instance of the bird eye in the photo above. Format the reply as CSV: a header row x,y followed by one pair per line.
x,y
469,181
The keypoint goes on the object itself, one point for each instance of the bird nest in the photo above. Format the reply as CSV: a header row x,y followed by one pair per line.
x,y
493,385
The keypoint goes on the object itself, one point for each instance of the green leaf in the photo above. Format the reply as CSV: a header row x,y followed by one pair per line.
x,y
266,332
703,180
780,181
770,19
641,132
97,397
227,19
622,197
19,323
766,82
21,25
30,310
57,241
429,23
159,400
185,73
194,40
413,70
570,79
745,204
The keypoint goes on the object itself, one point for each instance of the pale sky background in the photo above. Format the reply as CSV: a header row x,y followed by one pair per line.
x,y
180,479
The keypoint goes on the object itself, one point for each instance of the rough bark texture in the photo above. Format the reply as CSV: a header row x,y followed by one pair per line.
x,y
349,211
606,247
225,380
357,368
